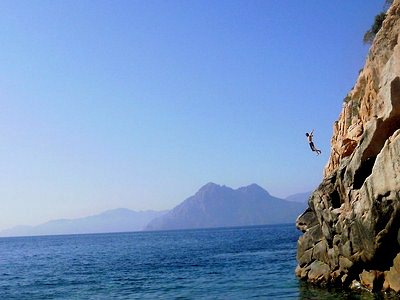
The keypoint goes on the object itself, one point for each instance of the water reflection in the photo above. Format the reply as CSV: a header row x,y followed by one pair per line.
x,y
311,292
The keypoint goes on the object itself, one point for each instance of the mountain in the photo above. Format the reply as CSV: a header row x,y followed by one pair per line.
x,y
300,197
221,206
351,235
116,220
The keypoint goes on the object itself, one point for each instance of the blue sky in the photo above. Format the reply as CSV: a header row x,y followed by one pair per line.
x,y
137,104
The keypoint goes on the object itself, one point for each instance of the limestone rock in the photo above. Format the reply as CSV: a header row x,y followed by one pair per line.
x,y
392,277
353,220
319,272
345,263
372,280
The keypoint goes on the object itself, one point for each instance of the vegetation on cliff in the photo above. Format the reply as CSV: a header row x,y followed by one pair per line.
x,y
379,18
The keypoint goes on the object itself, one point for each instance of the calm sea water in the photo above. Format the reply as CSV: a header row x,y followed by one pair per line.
x,y
229,263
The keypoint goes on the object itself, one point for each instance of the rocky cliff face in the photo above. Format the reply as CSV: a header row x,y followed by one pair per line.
x,y
351,228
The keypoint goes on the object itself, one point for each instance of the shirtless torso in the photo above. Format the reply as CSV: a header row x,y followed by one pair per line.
x,y
311,143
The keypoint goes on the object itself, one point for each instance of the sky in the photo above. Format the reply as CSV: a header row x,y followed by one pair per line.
x,y
137,104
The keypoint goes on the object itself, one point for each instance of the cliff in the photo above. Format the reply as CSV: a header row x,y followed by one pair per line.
x,y
351,228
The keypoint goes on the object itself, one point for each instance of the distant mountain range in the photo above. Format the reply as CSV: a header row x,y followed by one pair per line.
x,y
212,206
116,220
300,197
221,206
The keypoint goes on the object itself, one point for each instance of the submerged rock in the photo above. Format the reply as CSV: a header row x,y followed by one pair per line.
x,y
351,228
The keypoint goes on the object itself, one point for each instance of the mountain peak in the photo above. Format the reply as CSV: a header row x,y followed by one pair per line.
x,y
209,187
253,188
221,206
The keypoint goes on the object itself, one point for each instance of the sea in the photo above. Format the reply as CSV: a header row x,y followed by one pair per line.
x,y
225,263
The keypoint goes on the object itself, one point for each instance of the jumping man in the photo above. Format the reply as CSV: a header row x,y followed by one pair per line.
x,y
310,141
